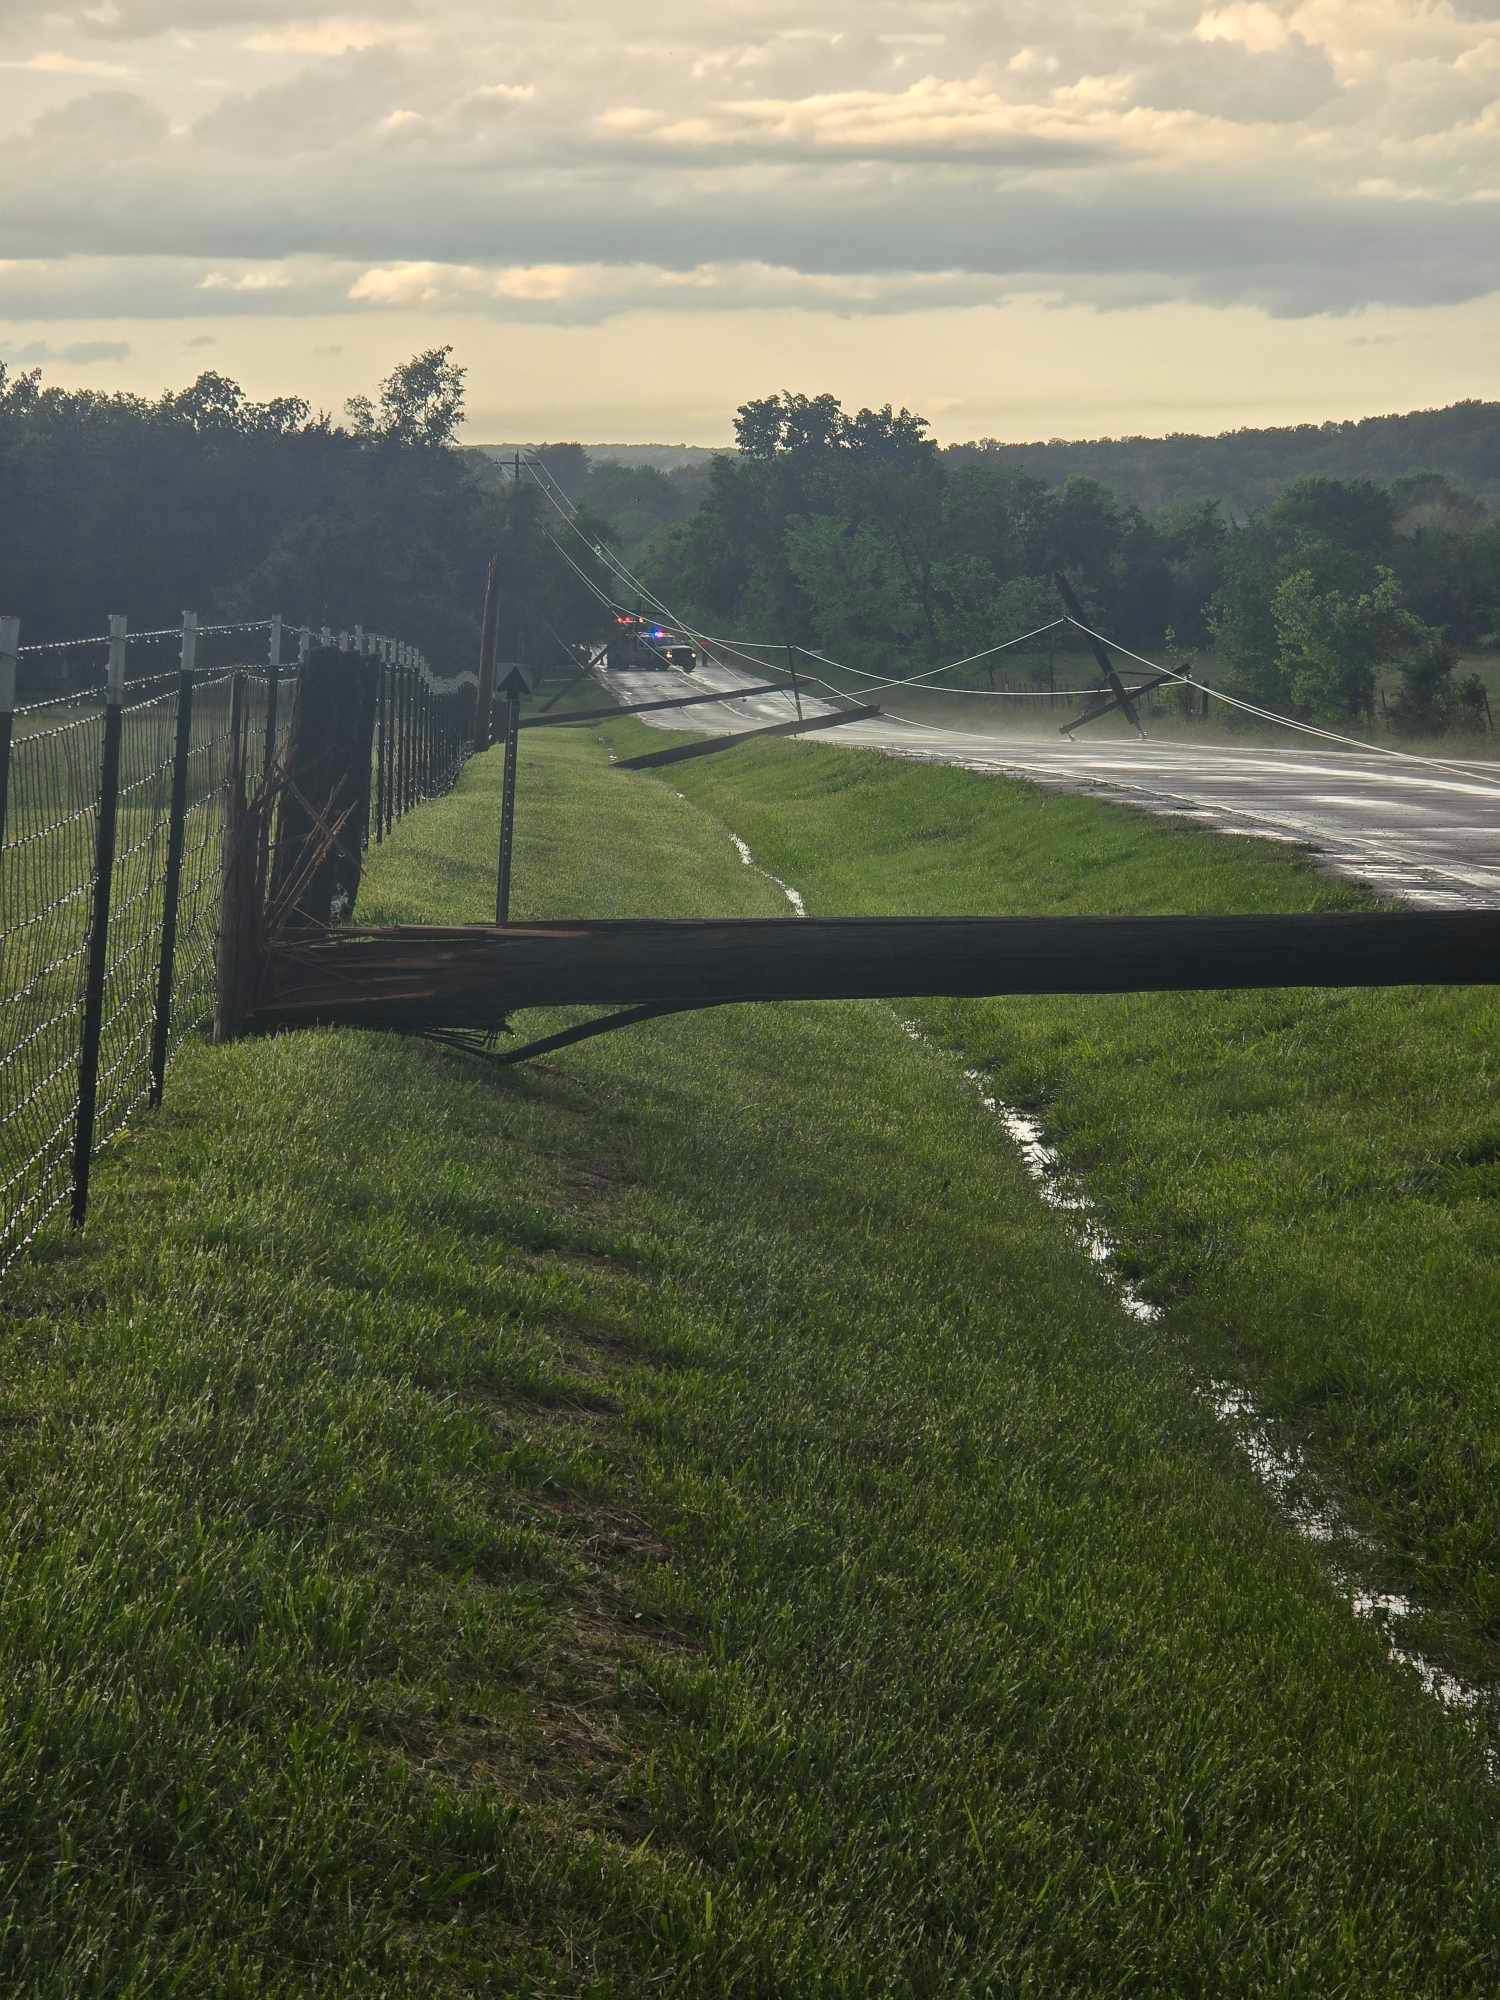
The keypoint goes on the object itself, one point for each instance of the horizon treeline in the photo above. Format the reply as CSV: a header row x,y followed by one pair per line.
x,y
208,500
852,534
857,535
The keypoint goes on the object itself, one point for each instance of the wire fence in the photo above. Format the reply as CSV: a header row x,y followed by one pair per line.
x,y
114,803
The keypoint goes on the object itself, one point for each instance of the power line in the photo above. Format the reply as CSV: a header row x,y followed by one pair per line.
x,y
1306,728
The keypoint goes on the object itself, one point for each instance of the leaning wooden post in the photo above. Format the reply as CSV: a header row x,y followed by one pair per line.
x,y
176,832
98,950
10,646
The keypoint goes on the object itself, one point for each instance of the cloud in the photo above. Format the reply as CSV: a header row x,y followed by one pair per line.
x,y
1250,23
136,20
335,36
113,123
80,353
425,155
52,62
245,281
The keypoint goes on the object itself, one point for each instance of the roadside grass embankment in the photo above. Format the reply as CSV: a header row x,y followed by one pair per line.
x,y
681,1518
1307,1181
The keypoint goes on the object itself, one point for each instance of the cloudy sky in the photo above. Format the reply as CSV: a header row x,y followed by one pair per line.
x,y
1020,218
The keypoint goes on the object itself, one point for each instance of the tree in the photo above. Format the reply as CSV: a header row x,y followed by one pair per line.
x,y
1330,643
421,404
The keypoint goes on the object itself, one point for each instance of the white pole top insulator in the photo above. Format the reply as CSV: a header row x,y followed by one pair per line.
x,y
117,643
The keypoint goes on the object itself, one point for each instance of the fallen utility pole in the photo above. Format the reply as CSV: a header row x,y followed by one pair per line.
x,y
712,745
644,707
1107,704
420,978
1122,694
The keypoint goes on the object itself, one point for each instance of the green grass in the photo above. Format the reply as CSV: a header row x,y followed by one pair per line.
x,y
1307,1180
680,1518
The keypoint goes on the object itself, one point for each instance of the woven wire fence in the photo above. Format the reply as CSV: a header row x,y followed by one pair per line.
x,y
108,949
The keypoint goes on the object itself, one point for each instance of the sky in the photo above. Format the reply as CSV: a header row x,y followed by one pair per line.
x,y
1020,219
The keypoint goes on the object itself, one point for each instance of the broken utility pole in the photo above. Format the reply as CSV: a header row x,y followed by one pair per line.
x,y
1121,696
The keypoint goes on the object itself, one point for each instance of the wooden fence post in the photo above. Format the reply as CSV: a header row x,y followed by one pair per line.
x,y
98,951
176,831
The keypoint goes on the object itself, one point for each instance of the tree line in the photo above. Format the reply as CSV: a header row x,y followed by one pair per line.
x,y
853,534
858,536
207,499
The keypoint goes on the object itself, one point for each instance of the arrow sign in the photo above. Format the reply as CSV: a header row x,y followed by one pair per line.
x,y
513,678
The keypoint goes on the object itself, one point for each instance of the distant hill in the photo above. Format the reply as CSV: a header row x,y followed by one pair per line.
x,y
1247,468
663,457
1243,469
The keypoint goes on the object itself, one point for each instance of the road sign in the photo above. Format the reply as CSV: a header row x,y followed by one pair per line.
x,y
511,677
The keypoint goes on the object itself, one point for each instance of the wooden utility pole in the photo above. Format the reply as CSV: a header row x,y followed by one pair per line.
x,y
1106,665
489,634
515,682
423,977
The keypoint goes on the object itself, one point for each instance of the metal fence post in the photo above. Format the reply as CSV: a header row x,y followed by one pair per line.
x,y
104,869
390,734
176,831
273,691
407,733
10,642
379,741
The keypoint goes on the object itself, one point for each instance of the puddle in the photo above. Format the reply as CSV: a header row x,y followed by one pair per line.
x,y
1280,1468
785,887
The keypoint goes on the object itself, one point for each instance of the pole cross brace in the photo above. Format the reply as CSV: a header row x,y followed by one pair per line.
x,y
1106,705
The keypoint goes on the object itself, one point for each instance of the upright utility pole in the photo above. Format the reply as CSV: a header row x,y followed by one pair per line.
x,y
515,682
489,634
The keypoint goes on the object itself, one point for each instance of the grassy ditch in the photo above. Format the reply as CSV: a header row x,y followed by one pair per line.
x,y
680,1518
1308,1180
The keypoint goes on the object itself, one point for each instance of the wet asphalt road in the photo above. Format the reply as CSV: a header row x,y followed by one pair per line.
x,y
1429,837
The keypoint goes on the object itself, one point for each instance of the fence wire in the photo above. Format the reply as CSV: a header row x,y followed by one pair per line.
x,y
52,775
46,875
